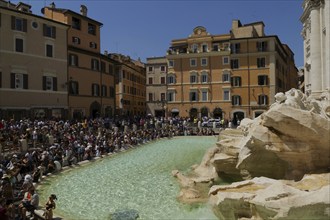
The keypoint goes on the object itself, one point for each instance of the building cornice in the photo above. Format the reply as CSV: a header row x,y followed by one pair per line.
x,y
35,16
308,6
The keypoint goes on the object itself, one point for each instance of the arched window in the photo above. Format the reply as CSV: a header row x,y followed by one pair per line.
x,y
171,79
204,77
193,113
194,48
204,112
217,113
193,77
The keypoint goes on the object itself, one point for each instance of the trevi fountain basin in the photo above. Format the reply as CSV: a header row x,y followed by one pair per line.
x,y
273,167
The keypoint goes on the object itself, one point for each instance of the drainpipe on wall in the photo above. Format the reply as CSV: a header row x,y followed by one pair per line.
x,y
101,113
249,92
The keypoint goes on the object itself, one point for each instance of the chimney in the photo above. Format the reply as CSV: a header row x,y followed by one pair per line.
x,y
236,24
83,10
52,5
106,53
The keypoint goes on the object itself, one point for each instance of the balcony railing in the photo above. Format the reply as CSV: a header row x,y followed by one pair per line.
x,y
186,51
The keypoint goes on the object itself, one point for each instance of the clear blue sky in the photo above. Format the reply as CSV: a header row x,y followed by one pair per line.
x,y
144,29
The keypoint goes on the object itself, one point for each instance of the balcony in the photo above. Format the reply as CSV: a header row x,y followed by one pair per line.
x,y
187,51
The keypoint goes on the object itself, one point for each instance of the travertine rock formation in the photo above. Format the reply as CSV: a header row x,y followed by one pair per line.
x,y
264,198
290,142
286,142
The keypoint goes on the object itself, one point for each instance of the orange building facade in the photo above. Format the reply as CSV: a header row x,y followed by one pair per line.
x,y
130,86
90,80
228,76
33,64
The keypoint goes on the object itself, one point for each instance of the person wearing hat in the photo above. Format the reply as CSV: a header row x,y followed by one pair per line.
x,y
27,184
50,205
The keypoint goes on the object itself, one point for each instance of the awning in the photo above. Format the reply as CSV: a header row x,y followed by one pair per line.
x,y
175,110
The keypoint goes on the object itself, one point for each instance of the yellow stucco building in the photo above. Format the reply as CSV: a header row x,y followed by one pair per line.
x,y
91,82
33,64
228,76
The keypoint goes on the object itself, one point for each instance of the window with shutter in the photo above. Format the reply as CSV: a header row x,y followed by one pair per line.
x,y
203,61
49,50
74,88
236,100
234,63
73,60
103,67
76,23
162,80
94,64
104,91
262,80
263,100
235,48
226,95
25,81
225,77
49,31
19,45
261,62
262,46
236,81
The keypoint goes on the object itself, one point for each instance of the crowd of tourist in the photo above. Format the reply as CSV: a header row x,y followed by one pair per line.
x,y
33,148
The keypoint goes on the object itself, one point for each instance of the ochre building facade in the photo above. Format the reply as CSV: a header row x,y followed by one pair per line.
x,y
130,86
33,64
90,83
228,76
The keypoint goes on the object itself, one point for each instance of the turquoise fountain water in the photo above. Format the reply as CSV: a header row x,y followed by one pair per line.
x,y
138,179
